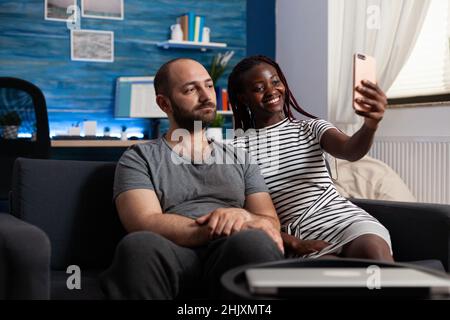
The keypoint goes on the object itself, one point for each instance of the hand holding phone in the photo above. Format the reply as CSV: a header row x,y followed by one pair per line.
x,y
364,68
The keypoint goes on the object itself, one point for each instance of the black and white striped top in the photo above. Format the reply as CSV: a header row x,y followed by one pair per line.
x,y
307,203
291,161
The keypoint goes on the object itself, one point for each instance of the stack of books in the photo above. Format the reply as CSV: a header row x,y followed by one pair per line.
x,y
192,26
222,99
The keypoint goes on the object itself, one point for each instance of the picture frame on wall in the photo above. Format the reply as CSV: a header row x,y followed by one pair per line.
x,y
92,45
56,10
103,9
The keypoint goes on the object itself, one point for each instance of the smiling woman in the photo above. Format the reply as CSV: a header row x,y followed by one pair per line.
x,y
315,219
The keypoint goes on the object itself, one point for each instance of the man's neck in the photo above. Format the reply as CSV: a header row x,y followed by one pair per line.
x,y
191,144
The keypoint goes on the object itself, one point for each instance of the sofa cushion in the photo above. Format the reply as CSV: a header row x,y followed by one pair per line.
x,y
71,201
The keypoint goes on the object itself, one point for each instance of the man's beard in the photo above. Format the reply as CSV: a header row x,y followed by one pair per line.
x,y
186,120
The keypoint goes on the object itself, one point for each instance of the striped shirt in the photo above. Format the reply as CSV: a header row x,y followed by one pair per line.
x,y
293,165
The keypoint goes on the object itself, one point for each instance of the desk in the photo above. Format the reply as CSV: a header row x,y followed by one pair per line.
x,y
90,150
94,143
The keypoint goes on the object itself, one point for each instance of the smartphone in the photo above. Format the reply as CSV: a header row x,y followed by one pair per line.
x,y
364,68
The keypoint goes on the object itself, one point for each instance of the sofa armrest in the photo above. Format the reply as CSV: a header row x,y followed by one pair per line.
x,y
24,260
419,231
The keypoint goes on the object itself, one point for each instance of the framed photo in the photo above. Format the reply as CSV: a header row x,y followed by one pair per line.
x,y
92,45
102,9
56,10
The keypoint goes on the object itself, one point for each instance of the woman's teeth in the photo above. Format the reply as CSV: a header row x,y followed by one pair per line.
x,y
275,100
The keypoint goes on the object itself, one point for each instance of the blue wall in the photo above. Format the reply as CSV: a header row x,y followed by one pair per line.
x,y
261,27
37,50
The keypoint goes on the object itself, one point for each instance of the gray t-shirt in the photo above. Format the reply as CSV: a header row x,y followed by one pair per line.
x,y
185,188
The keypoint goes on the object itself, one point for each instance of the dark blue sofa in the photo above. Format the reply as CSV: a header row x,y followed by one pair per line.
x,y
62,214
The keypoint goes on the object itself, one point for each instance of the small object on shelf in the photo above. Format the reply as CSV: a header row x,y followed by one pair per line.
x,y
206,35
191,45
123,134
90,128
177,33
75,130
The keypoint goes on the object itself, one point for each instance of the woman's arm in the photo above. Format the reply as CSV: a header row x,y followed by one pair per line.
x,y
353,148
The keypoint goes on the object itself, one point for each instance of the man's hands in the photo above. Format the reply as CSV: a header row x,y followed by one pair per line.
x,y
374,101
224,222
266,226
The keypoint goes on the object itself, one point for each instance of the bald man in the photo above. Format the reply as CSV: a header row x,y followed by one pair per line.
x,y
191,213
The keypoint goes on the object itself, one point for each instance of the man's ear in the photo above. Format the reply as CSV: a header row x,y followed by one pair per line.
x,y
164,103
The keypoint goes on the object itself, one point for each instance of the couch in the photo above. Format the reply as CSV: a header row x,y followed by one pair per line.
x,y
65,207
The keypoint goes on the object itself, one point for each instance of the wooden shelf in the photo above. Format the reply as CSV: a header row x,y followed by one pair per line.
x,y
94,143
203,46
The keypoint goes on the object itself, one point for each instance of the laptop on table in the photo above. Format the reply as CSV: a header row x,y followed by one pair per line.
x,y
342,282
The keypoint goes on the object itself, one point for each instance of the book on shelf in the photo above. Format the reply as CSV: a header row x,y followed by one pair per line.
x,y
225,100
192,26
199,23
184,22
222,99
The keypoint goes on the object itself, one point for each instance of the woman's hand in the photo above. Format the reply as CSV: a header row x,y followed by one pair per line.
x,y
302,247
374,101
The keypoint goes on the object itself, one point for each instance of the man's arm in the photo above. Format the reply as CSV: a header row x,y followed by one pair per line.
x,y
140,210
260,205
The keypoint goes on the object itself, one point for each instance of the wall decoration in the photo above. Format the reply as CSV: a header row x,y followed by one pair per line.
x,y
92,45
56,10
102,9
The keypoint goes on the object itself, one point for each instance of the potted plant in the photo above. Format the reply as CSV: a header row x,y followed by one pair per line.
x,y
214,130
219,64
10,122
